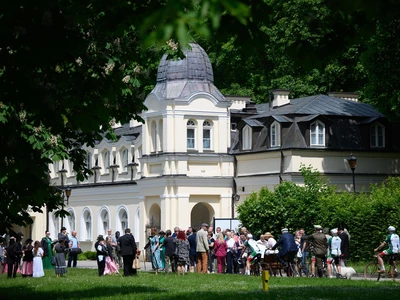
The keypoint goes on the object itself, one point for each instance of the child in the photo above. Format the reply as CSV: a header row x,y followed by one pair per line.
x,y
37,260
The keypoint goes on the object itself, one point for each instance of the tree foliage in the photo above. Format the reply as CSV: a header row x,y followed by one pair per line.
x,y
71,69
365,215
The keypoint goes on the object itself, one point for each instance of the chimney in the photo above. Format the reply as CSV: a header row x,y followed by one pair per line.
x,y
345,95
281,97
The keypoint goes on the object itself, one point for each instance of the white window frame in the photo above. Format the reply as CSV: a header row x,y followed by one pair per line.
x,y
87,224
318,132
89,163
71,220
106,160
207,128
124,159
122,219
104,220
154,136
377,141
275,134
247,133
191,126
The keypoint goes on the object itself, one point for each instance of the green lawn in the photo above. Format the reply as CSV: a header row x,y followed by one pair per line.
x,y
85,284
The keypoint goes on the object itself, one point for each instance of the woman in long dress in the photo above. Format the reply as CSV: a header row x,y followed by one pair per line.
x,y
182,252
155,250
162,248
27,260
47,245
111,266
60,268
37,260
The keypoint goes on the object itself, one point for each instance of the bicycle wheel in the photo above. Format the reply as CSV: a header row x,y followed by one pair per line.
x,y
304,270
371,270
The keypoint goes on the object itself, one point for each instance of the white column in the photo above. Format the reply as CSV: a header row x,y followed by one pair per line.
x,y
183,210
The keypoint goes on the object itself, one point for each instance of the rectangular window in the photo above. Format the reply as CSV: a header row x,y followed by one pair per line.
x,y
190,138
206,139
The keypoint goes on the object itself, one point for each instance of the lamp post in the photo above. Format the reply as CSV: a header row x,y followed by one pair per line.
x,y
353,163
66,193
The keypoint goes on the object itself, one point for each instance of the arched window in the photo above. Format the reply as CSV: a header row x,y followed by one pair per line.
x,y
106,160
377,135
122,219
124,160
246,137
89,160
104,221
275,134
160,135
191,134
71,220
207,126
86,226
71,168
317,134
154,136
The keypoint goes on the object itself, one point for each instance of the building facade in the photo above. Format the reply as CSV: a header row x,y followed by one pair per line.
x,y
200,153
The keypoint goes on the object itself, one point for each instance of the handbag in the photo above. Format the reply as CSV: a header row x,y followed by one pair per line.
x,y
53,260
299,254
75,251
136,264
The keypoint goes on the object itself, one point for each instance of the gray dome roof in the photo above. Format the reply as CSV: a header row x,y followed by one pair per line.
x,y
196,66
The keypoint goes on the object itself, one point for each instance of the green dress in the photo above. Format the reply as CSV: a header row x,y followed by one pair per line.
x,y
162,252
48,253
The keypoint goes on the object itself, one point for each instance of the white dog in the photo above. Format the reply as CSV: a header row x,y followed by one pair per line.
x,y
347,272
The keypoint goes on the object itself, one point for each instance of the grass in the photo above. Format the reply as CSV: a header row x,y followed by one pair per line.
x,y
85,284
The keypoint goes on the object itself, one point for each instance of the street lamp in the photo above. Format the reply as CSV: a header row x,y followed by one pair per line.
x,y
353,163
66,193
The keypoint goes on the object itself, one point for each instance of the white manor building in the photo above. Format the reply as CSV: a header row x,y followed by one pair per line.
x,y
198,150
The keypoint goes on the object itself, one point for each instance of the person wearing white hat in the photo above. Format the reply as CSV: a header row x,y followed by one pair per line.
x,y
392,240
334,244
288,249
254,250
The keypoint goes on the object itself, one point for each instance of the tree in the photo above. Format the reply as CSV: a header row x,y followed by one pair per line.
x,y
69,70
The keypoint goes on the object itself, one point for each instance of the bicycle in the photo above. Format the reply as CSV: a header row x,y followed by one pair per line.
x,y
301,268
372,268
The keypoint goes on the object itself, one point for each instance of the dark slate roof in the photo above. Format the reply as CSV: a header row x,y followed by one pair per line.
x,y
182,78
319,105
293,138
195,66
342,128
253,123
125,132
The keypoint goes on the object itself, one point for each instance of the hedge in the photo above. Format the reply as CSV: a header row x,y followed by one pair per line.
x,y
365,215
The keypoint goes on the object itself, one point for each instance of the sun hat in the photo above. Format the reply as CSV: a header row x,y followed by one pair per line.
x,y
391,228
319,227
334,231
268,234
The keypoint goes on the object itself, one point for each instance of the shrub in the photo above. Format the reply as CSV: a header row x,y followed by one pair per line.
x,y
365,215
91,255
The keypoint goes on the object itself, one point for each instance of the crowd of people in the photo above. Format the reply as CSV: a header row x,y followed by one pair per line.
x,y
180,251
31,260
